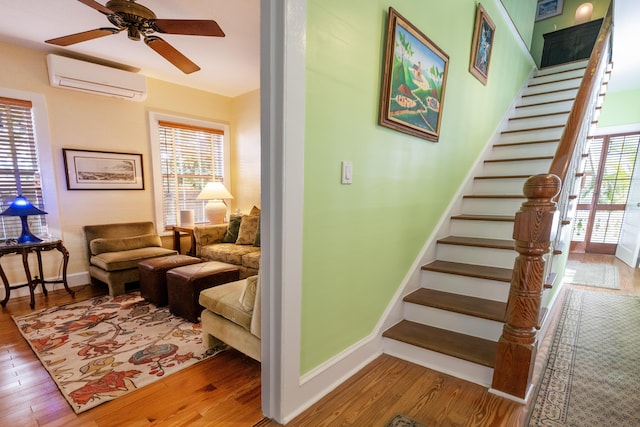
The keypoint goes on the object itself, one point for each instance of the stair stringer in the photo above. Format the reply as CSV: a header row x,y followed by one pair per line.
x,y
434,360
394,311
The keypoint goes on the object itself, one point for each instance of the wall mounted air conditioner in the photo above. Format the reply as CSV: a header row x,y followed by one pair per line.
x,y
97,79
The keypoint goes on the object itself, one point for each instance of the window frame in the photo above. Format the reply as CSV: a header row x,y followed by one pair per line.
x,y
156,165
45,155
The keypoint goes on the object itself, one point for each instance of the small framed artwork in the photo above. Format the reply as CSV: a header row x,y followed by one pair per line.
x,y
102,170
548,8
413,80
482,45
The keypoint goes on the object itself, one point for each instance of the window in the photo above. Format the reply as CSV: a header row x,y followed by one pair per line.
x,y
19,165
187,155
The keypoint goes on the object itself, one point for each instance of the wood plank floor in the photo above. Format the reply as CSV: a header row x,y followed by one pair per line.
x,y
225,391
222,391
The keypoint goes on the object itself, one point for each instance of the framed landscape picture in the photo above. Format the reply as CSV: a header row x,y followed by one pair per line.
x,y
548,8
482,45
102,170
413,80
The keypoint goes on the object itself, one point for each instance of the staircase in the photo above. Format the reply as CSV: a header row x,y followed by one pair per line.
x,y
453,322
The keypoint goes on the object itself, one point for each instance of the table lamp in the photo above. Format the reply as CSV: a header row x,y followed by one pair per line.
x,y
215,209
22,207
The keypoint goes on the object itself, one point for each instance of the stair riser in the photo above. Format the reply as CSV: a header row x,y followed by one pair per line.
x,y
537,122
527,150
557,76
450,321
491,206
486,229
459,368
549,97
552,86
552,134
464,285
556,69
502,258
555,107
527,167
498,186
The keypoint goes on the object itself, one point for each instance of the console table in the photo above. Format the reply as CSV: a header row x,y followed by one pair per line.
x,y
24,249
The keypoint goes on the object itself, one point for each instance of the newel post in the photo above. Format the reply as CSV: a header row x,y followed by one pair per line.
x,y
516,352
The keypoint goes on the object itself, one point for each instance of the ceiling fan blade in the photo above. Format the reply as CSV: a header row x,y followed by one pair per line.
x,y
190,27
83,36
97,6
171,54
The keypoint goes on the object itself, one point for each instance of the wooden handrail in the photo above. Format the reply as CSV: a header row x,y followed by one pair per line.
x,y
569,138
534,228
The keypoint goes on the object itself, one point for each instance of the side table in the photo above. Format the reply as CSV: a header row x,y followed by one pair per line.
x,y
25,249
188,229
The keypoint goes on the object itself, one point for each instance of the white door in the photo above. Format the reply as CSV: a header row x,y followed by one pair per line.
x,y
629,243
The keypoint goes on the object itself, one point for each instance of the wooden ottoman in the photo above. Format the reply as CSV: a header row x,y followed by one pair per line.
x,y
185,283
153,276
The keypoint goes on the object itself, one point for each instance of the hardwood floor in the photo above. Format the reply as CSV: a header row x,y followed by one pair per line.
x,y
225,391
222,391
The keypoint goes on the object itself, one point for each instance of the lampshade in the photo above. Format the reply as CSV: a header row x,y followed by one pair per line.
x,y
22,207
215,209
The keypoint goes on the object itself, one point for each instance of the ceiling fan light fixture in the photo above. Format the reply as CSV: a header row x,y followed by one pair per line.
x,y
133,33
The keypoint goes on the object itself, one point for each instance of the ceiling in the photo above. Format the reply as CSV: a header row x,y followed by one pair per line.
x,y
229,65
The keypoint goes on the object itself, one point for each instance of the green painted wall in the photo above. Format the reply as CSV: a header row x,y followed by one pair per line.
x,y
360,240
620,108
562,21
521,12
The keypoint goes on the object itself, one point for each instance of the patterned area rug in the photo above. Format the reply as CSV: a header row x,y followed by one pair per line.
x,y
99,349
403,421
589,274
592,377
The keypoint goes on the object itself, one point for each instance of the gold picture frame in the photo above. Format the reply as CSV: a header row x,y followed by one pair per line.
x,y
482,45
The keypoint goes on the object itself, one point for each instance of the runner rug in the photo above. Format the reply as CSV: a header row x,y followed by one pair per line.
x,y
105,347
592,377
591,274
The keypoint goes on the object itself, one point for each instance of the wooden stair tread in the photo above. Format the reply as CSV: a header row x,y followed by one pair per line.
x,y
466,347
566,79
471,217
502,176
511,144
551,91
472,306
536,104
537,116
519,159
478,242
532,129
494,196
470,270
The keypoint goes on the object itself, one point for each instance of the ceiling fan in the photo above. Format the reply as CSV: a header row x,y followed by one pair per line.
x,y
140,21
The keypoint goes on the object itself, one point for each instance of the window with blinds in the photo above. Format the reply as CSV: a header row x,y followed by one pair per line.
x,y
19,166
190,156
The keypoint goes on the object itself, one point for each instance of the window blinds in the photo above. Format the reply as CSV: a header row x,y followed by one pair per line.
x,y
190,157
19,166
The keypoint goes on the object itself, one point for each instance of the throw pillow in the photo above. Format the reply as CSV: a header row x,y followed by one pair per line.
x,y
232,229
256,242
248,296
248,230
254,211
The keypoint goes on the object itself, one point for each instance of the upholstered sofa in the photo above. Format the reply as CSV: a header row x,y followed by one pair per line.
x,y
232,315
236,242
114,251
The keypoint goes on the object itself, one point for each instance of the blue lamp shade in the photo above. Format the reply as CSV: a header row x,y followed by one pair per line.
x,y
22,207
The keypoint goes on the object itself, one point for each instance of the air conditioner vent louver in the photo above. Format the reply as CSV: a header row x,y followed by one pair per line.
x,y
87,77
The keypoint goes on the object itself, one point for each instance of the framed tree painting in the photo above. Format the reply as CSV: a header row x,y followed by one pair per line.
x,y
413,80
482,45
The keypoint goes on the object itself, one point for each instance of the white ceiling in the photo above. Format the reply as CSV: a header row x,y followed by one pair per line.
x,y
229,65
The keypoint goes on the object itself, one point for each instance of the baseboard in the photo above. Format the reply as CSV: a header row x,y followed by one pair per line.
x,y
73,280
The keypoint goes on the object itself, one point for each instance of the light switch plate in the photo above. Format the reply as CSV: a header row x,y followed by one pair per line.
x,y
347,172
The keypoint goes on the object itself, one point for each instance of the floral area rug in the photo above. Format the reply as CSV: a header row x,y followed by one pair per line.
x,y
105,347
